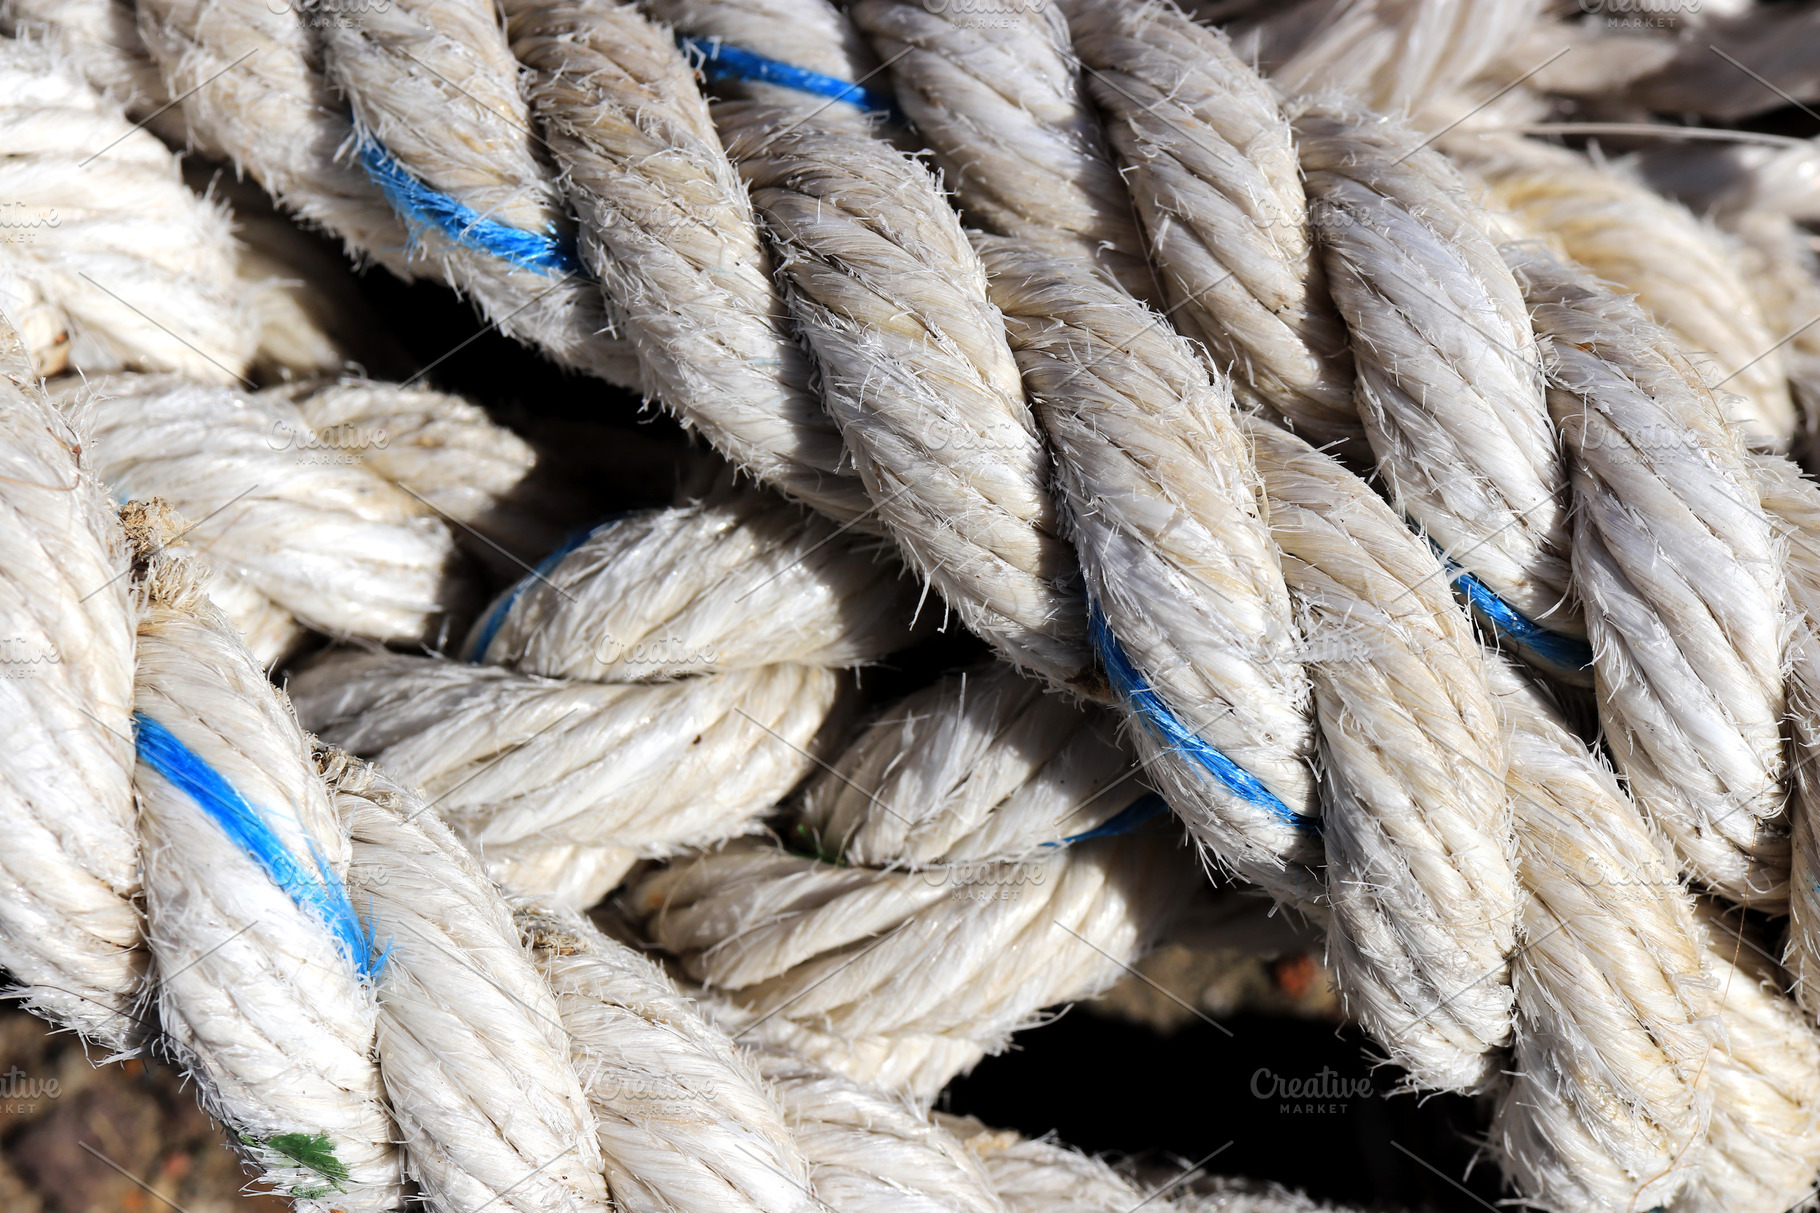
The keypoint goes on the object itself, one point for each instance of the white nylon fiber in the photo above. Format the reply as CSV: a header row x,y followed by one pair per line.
x,y
134,271
1164,507
445,453
1608,1102
1681,271
1682,575
732,582
258,1000
517,763
1211,164
1394,56
249,76
891,300
69,931
474,1055
870,1150
1793,502
1763,1147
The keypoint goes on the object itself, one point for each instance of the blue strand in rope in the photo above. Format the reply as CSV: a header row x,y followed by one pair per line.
x,y
320,891
1151,709
496,618
722,62
1145,808
420,206
1552,647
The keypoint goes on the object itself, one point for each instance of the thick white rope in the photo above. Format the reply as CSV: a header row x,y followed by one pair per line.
x,y
892,302
1763,1146
1392,56
669,231
68,926
733,582
1608,1101
110,263
518,764
1420,875
278,508
561,739
475,1057
1683,273
1450,385
939,823
686,1120
446,454
1187,591
248,76
408,58
259,988
1783,273
1682,575
101,38
999,97
1046,1177
1211,164
1793,501
871,1150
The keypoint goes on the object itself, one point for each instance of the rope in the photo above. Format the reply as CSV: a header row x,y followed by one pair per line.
x,y
476,1061
927,830
263,1002
1636,1080
1682,272
1416,824
1211,165
110,263
470,200
1392,56
307,528
1190,615
101,39
1681,572
669,232
248,82
1449,386
1608,1103
631,704
1000,100
67,922
891,301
